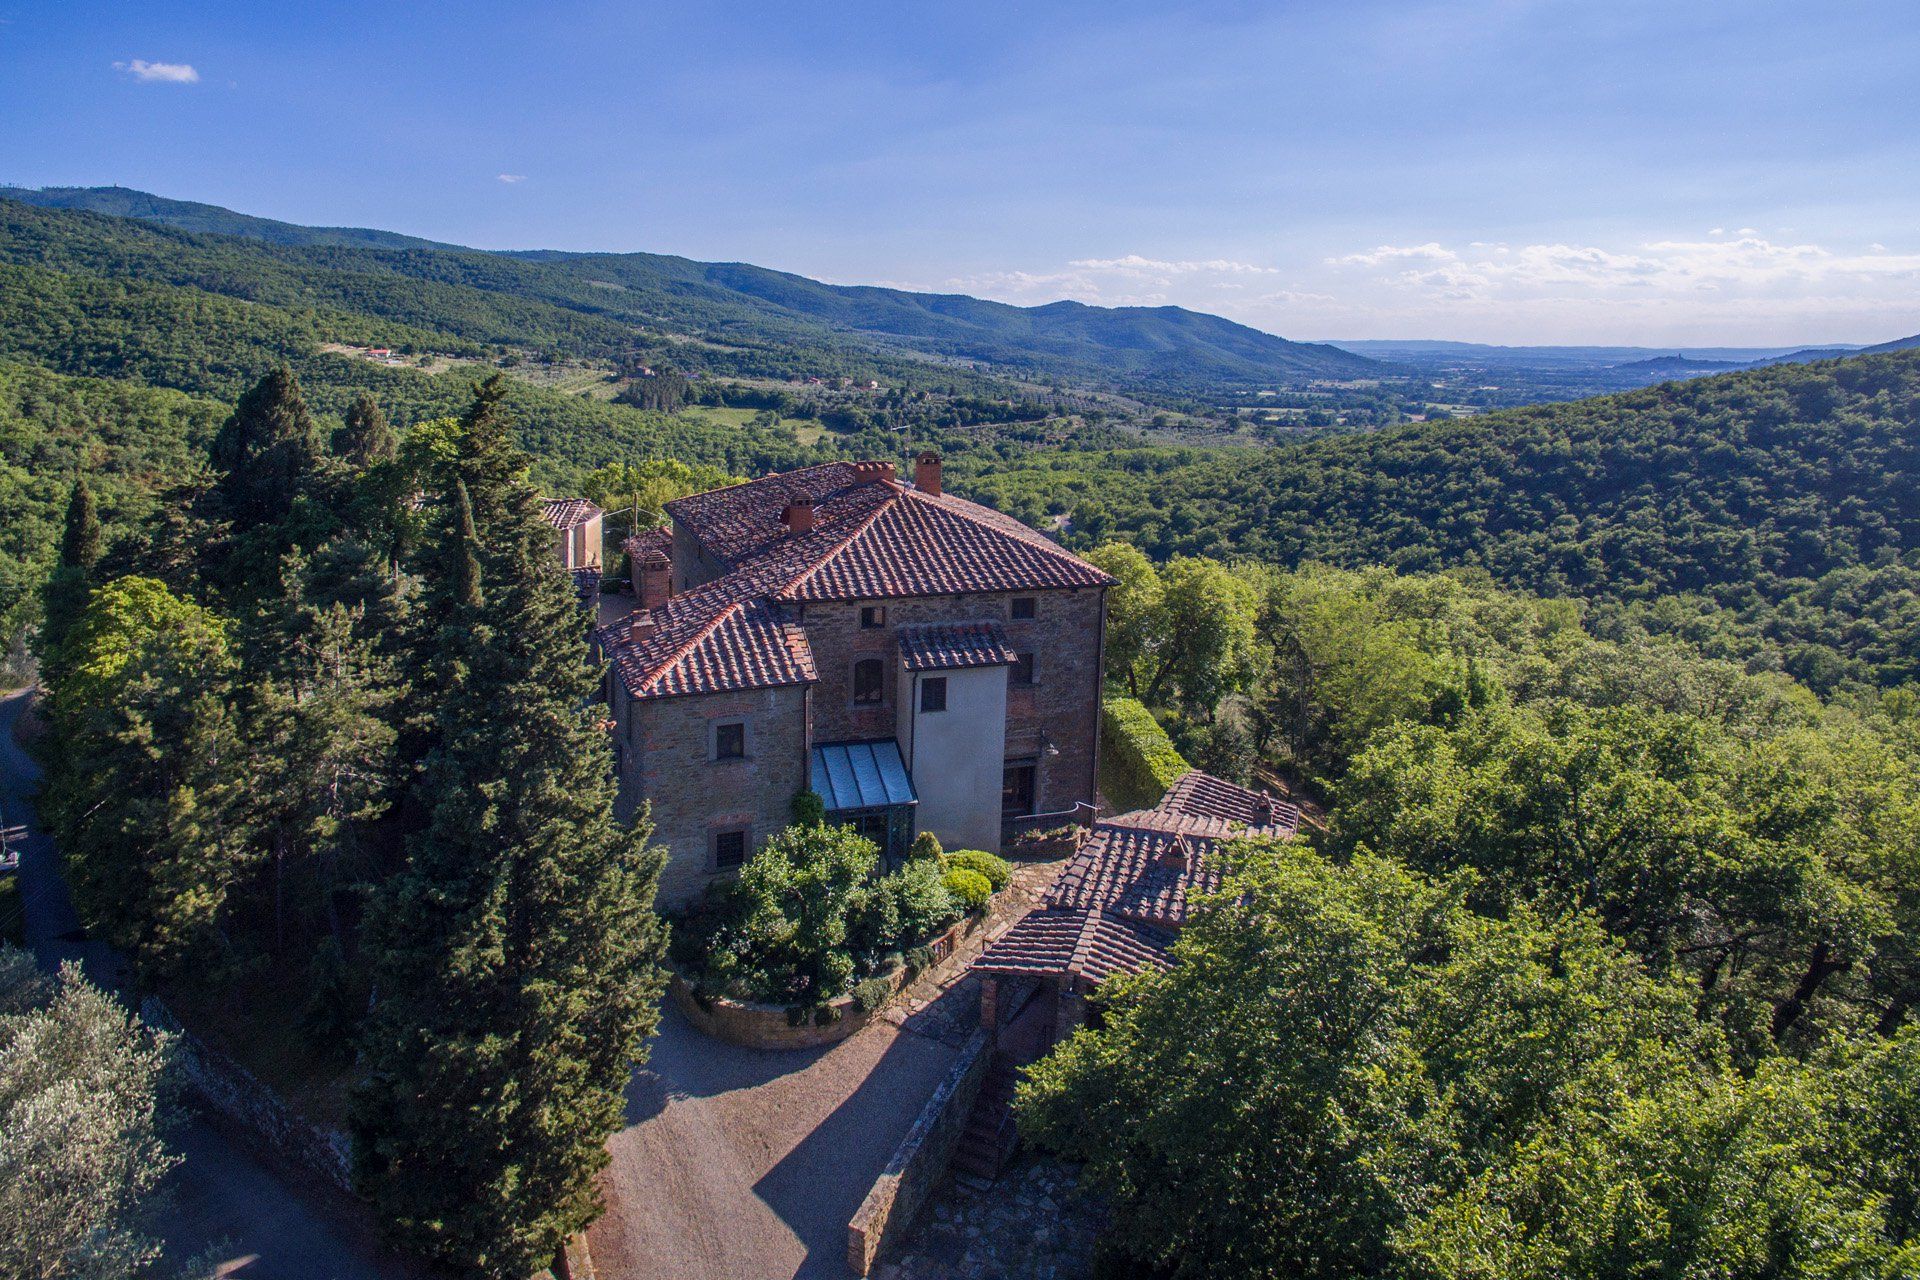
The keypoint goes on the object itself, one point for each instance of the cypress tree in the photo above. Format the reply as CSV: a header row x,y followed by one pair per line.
x,y
65,595
367,437
517,953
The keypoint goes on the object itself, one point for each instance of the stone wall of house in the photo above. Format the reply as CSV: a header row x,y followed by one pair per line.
x,y
1061,707
910,1177
668,760
692,566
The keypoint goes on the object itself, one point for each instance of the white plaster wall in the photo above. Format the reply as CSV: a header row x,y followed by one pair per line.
x,y
958,756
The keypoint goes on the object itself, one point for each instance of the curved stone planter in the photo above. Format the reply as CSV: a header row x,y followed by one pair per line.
x,y
765,1026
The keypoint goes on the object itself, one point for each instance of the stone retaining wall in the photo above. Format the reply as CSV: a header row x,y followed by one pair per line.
x,y
237,1096
919,1161
765,1026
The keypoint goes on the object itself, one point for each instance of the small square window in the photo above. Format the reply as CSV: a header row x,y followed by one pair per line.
x,y
873,617
1022,608
730,741
729,849
1022,672
933,693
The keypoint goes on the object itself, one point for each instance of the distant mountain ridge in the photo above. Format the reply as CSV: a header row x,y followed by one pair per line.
x,y
1149,347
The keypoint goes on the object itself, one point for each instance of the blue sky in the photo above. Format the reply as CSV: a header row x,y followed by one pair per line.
x,y
1496,170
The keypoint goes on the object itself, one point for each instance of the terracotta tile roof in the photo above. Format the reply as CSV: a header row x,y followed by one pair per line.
x,y
569,513
874,538
1134,878
1093,945
653,542
1202,794
716,638
951,646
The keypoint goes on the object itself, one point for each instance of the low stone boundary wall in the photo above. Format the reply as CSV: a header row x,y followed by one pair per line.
x,y
236,1095
907,1182
765,1026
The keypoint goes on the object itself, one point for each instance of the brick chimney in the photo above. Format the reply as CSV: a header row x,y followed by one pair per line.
x,y
1263,810
798,515
926,473
641,626
871,471
653,579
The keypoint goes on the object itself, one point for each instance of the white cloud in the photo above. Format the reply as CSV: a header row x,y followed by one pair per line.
x,y
510,178
1716,289
159,72
1134,263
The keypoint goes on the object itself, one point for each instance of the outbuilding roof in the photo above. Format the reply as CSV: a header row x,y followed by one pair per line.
x,y
569,513
1132,881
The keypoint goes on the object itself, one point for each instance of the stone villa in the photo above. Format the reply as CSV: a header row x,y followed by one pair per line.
x,y
920,662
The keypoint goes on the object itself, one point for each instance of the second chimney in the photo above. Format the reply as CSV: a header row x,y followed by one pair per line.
x,y
926,473
798,515
641,626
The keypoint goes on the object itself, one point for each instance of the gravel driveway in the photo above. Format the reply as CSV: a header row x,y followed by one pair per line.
x,y
745,1164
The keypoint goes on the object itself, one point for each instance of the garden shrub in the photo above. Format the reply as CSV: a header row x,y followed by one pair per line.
x,y
970,887
871,994
925,845
997,870
1138,760
807,918
809,810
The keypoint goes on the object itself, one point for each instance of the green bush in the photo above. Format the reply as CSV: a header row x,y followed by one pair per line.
x,y
970,887
809,810
925,845
872,993
807,918
825,1016
997,870
1138,761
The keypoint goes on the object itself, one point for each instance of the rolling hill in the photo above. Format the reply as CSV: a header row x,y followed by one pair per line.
x,y
637,299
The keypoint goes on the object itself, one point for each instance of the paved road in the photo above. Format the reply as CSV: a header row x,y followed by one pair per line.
x,y
740,1164
222,1197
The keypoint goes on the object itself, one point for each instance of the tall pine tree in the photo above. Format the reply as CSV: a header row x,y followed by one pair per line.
x,y
272,491
518,965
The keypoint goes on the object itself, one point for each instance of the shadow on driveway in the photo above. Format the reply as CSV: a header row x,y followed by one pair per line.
x,y
743,1164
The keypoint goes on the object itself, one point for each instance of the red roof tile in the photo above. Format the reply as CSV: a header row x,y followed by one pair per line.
x,y
1087,944
712,639
569,513
874,538
952,646
1134,879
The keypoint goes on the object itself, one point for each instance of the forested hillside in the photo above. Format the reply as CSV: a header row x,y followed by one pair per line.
x,y
1786,501
606,304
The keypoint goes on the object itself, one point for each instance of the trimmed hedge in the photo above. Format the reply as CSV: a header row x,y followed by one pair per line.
x,y
997,870
970,887
1138,761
